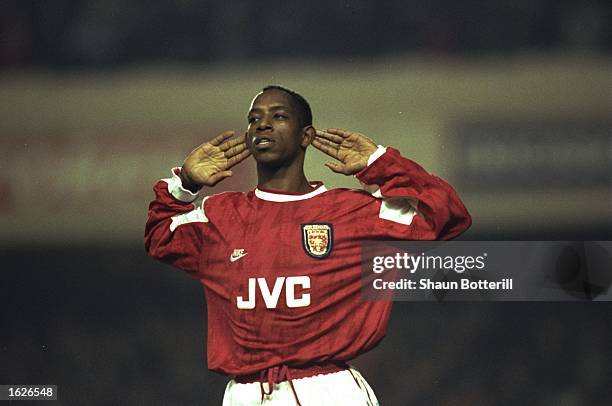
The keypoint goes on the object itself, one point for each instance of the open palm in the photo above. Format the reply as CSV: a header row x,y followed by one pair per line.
x,y
350,148
210,162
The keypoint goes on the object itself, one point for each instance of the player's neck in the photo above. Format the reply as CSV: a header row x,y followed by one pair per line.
x,y
289,179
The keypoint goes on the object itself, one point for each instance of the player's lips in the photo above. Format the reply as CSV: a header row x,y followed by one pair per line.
x,y
261,143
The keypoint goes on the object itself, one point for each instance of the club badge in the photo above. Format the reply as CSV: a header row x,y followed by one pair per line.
x,y
317,239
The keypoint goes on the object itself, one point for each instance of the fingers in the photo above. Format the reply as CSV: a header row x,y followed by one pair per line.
x,y
345,169
329,136
232,143
236,159
338,131
319,144
234,147
335,166
358,138
218,177
238,149
327,143
222,137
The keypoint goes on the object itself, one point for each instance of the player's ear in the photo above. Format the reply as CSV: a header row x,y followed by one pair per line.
x,y
308,136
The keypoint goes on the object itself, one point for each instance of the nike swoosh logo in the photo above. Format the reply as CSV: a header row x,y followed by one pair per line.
x,y
235,258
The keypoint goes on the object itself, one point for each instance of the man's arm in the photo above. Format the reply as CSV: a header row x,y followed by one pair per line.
x,y
421,205
177,216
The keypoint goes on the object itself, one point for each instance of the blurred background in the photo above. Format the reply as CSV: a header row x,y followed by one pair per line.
x,y
509,101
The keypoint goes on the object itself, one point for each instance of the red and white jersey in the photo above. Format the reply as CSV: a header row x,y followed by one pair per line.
x,y
281,272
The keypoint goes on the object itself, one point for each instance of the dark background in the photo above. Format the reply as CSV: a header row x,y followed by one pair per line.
x,y
109,325
70,33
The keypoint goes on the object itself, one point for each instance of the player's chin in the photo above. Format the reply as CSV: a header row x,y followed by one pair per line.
x,y
266,157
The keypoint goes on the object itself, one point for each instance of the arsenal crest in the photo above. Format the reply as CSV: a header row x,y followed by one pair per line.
x,y
317,239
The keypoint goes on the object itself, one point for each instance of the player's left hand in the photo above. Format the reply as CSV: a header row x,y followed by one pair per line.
x,y
351,149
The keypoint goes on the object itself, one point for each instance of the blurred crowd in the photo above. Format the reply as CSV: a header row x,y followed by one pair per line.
x,y
67,33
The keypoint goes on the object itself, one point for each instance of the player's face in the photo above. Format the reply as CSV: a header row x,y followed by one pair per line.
x,y
274,135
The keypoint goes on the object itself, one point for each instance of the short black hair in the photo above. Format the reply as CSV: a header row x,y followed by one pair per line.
x,y
300,102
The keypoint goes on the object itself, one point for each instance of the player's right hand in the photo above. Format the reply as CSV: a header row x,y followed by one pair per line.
x,y
210,162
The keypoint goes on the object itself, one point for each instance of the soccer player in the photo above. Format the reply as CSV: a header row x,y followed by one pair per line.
x,y
280,265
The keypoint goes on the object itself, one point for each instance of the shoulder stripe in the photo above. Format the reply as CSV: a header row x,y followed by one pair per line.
x,y
399,210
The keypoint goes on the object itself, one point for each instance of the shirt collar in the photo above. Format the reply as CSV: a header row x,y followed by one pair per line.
x,y
276,196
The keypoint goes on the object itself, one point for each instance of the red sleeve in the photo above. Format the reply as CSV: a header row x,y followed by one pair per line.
x,y
173,233
415,204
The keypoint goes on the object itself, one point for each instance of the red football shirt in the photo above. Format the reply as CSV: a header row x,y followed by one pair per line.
x,y
281,272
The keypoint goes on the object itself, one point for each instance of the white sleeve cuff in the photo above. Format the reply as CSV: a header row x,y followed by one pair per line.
x,y
176,189
376,154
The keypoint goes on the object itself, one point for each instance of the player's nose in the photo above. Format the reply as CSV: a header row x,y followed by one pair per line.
x,y
264,125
